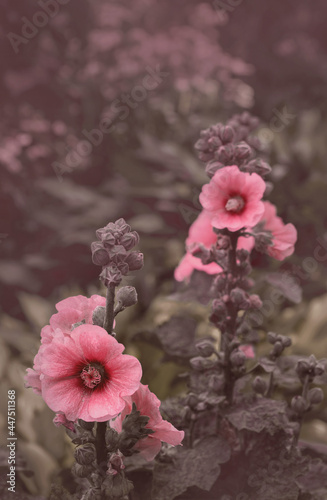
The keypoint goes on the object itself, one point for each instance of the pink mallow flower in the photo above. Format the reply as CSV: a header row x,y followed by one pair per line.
x,y
201,231
233,198
284,236
84,374
248,350
60,419
72,310
148,404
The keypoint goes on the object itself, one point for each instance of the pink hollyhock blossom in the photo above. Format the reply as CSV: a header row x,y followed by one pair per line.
x,y
148,404
247,350
115,464
32,378
283,236
233,198
84,374
71,311
60,419
201,231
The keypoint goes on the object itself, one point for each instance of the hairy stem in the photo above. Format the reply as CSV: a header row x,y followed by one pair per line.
x,y
270,384
192,425
100,444
110,315
305,389
229,334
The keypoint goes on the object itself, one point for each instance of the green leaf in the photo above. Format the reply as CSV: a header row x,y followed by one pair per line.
x,y
259,415
267,364
198,466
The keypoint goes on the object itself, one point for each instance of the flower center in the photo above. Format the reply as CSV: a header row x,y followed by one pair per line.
x,y
92,375
235,204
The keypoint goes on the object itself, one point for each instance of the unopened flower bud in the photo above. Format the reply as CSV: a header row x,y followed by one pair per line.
x,y
108,239
126,296
237,358
100,256
82,470
213,143
299,404
223,242
200,364
129,240
225,153
245,268
244,118
258,166
117,254
216,382
272,337
315,396
235,343
205,348
242,255
319,369
259,385
219,307
262,241
192,401
242,151
98,316
240,298
312,361
201,252
306,367
123,268
219,311
134,261
133,429
122,226
201,406
219,283
286,341
111,438
277,349
111,275
115,463
205,157
255,301
117,486
227,134
212,168
106,236
85,454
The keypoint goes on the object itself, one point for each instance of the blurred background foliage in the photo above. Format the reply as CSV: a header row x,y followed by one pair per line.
x,y
267,58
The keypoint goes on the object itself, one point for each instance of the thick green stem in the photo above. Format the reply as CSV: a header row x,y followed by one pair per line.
x,y
100,445
270,385
229,334
305,390
110,315
305,387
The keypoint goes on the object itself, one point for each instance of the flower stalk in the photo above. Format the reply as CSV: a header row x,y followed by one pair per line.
x,y
110,303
